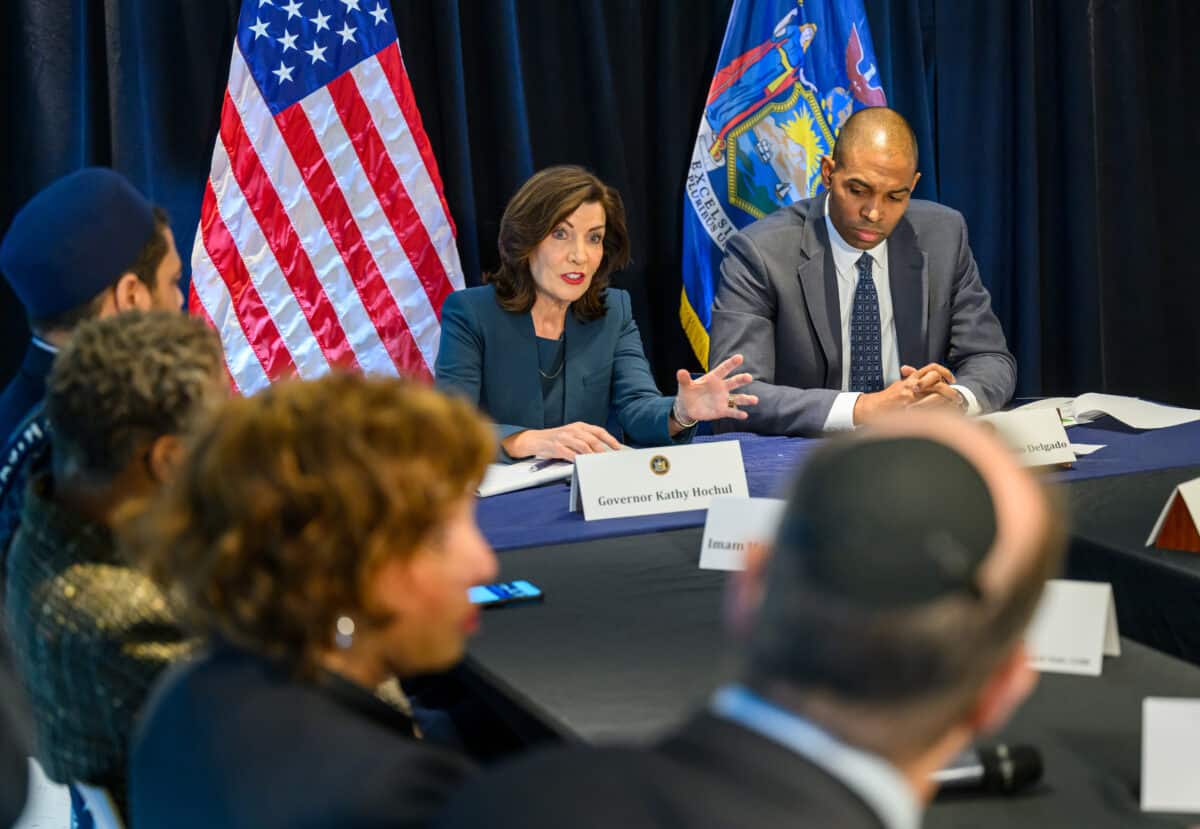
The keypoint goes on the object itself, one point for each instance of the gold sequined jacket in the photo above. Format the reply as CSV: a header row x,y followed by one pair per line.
x,y
90,635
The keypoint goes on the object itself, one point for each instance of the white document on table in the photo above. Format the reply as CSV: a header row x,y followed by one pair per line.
x,y
510,477
1170,761
1073,628
1081,449
1139,414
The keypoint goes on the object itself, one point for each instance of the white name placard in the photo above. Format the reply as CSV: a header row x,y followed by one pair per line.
x,y
651,481
1074,628
733,523
1170,762
1036,436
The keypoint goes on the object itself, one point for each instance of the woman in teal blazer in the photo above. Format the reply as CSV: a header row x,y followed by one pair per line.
x,y
549,351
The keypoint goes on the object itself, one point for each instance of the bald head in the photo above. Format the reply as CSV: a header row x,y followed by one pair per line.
x,y
878,129
910,557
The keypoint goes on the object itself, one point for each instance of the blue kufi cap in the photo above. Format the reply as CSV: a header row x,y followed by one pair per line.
x,y
74,239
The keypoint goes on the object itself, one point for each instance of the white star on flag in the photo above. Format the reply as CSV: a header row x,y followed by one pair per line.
x,y
317,53
284,72
259,29
262,3
288,40
325,240
293,9
379,14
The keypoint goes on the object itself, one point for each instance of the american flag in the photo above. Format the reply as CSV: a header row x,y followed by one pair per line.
x,y
324,238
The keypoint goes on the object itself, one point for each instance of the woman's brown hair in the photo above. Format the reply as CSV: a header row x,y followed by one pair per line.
x,y
543,201
290,500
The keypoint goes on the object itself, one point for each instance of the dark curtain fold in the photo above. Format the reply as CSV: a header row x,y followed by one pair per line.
x,y
1063,131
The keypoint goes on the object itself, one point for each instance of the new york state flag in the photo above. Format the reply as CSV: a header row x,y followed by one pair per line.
x,y
789,74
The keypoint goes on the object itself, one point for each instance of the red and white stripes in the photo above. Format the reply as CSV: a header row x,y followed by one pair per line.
x,y
324,236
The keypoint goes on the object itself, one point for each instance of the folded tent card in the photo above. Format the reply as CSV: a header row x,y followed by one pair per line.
x,y
1176,528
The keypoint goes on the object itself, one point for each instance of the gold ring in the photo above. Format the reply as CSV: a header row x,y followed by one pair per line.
x,y
730,402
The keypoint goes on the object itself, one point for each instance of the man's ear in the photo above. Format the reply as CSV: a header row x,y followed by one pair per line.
x,y
164,457
744,591
913,186
131,293
1010,683
828,165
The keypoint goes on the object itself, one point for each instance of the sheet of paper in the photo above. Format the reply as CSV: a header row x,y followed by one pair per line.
x,y
510,477
1074,627
1170,761
1140,414
1081,449
732,523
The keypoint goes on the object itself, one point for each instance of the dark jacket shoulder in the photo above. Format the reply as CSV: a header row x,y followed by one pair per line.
x,y
710,773
268,749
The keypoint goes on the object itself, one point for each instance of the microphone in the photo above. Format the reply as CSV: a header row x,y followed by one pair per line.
x,y
999,769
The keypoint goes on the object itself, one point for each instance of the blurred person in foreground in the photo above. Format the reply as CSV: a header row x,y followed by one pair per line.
x,y
88,246
550,351
322,538
884,634
90,632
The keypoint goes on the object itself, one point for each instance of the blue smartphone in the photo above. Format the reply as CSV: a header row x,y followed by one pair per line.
x,y
506,593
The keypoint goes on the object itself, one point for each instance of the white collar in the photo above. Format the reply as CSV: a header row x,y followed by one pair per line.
x,y
873,779
43,344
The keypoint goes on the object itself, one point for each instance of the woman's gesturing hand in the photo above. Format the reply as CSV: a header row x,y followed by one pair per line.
x,y
712,396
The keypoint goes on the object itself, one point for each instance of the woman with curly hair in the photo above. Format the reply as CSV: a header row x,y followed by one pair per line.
x,y
550,351
322,539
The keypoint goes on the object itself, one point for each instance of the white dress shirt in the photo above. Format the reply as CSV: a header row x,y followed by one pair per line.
x,y
845,263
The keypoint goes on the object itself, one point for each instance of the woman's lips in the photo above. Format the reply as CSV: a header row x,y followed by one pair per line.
x,y
572,278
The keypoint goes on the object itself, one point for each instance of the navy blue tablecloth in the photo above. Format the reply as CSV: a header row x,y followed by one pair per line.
x,y
535,517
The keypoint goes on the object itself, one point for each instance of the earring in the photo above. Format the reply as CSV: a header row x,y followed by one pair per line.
x,y
343,636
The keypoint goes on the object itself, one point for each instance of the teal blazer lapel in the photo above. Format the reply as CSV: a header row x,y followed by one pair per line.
x,y
518,355
579,338
909,285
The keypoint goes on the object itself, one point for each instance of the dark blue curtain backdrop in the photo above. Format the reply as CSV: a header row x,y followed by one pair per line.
x,y
1065,131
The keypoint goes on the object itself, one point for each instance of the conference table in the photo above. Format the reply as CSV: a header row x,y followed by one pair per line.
x,y
629,637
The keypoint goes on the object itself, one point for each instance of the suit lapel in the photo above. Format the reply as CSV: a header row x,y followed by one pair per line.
x,y
818,283
578,338
909,285
522,374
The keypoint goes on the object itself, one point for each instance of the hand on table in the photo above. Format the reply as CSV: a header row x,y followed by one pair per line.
x,y
563,442
712,396
927,387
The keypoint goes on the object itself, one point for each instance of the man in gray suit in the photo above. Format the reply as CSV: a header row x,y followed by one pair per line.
x,y
862,300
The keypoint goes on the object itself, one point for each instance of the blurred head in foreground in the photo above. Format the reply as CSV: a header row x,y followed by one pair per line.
x,y
330,524
123,393
891,609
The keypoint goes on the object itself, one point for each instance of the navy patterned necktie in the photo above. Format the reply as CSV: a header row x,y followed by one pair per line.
x,y
866,358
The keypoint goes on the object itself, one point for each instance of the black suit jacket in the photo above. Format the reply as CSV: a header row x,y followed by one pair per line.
x,y
232,740
711,773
